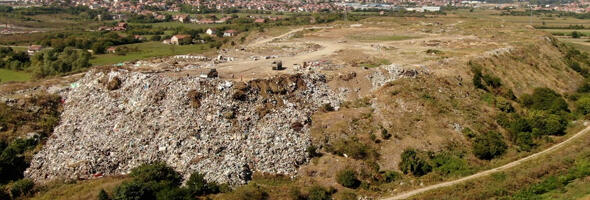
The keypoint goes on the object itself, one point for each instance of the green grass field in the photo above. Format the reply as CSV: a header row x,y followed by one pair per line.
x,y
9,75
148,50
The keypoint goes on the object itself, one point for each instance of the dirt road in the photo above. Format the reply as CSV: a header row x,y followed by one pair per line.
x,y
409,194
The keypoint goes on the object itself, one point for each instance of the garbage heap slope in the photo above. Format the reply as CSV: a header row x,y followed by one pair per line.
x,y
116,120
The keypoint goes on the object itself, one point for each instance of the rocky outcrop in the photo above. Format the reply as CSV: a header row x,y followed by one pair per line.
x,y
114,121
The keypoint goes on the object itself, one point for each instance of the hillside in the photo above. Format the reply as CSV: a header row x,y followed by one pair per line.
x,y
391,106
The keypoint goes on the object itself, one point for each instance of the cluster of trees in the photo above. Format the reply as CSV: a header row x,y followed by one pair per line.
x,y
148,19
48,62
158,181
97,42
10,59
53,62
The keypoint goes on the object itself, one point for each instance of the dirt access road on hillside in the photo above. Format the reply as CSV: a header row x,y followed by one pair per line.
x,y
409,194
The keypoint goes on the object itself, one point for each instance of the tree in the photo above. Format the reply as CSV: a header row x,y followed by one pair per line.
x,y
133,190
156,172
414,162
488,146
347,178
583,105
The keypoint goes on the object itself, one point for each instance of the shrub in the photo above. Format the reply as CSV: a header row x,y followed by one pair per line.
x,y
319,193
545,99
477,76
468,133
347,178
524,140
385,134
414,162
576,34
102,195
504,105
392,176
12,162
492,81
133,190
198,186
583,105
449,164
544,123
21,187
157,172
312,151
488,146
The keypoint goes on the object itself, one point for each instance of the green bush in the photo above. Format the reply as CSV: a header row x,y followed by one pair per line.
x,y
576,34
545,99
414,162
583,105
347,178
157,172
546,123
12,160
391,176
468,133
133,190
524,140
492,81
319,193
21,187
102,195
504,105
198,186
488,146
448,164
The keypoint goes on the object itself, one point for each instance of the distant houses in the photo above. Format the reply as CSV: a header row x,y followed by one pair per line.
x,y
182,18
121,26
260,20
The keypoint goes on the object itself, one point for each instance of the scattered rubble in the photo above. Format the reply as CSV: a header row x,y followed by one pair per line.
x,y
391,72
212,126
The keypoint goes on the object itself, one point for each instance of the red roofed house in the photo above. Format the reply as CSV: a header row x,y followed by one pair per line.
x,y
112,50
230,33
260,20
34,49
180,39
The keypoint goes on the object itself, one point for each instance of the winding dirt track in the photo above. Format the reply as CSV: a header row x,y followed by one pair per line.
x,y
409,194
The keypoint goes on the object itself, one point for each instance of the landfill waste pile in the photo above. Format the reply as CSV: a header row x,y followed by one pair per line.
x,y
116,120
